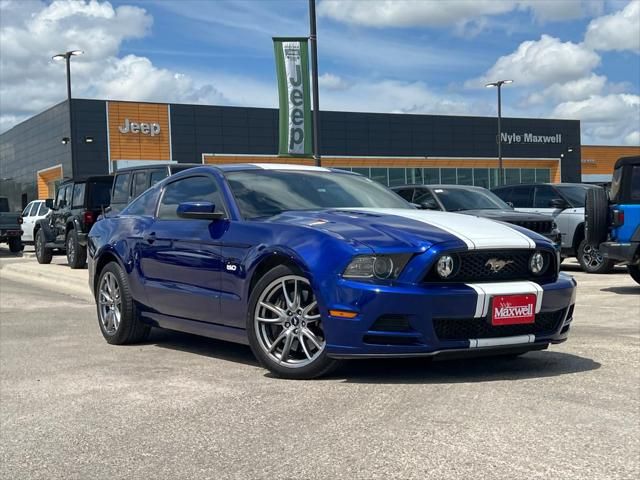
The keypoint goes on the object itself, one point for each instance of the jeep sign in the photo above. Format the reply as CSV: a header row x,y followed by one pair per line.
x,y
152,129
293,90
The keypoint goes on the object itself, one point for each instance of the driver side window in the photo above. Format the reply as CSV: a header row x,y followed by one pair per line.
x,y
543,196
425,199
191,189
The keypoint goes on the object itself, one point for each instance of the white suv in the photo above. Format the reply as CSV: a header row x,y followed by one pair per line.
x,y
565,202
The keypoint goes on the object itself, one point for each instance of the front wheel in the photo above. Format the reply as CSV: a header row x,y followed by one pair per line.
x,y
634,271
592,261
285,327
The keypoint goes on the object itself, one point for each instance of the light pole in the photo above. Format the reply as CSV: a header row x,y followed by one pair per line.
x,y
499,84
67,57
314,66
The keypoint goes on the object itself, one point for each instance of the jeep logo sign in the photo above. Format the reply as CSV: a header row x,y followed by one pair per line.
x,y
152,129
293,66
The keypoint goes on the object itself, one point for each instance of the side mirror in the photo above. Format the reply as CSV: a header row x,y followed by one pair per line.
x,y
199,211
49,203
558,203
510,204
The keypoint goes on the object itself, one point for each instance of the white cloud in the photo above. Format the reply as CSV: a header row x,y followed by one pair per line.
x,y
431,13
34,31
574,90
545,62
633,138
604,118
617,31
332,82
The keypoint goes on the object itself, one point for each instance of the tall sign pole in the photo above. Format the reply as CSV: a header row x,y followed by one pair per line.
x,y
314,67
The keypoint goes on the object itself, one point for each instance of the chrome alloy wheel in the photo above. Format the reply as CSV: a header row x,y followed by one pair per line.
x,y
110,303
287,322
592,256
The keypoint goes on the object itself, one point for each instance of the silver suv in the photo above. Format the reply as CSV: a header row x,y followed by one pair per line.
x,y
565,202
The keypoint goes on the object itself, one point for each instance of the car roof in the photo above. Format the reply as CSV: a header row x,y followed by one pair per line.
x,y
564,184
635,160
440,185
155,166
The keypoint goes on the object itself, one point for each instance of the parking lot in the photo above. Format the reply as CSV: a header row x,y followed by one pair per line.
x,y
180,406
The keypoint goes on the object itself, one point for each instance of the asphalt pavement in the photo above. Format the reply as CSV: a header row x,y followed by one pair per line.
x,y
181,406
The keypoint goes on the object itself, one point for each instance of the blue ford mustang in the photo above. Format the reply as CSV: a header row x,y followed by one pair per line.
x,y
310,265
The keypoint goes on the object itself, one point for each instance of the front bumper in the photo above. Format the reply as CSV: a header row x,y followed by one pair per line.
x,y
441,320
621,252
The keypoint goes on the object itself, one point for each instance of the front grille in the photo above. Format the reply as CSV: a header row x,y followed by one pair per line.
x,y
476,266
543,227
462,329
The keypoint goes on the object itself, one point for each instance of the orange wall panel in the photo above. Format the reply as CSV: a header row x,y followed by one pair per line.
x,y
138,146
600,159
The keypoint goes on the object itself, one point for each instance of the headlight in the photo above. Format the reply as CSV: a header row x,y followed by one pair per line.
x,y
445,266
383,267
537,265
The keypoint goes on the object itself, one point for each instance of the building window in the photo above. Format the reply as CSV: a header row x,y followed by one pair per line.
x,y
414,176
431,175
481,177
528,175
397,177
380,175
511,176
465,176
448,176
543,175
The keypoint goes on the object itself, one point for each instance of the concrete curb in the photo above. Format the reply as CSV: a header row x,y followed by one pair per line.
x,y
47,279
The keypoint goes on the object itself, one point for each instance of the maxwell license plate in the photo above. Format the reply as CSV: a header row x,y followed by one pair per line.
x,y
513,309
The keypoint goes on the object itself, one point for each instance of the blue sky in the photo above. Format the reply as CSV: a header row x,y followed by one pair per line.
x,y
569,58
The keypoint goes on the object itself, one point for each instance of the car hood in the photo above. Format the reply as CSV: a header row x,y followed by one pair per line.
x,y
407,229
508,215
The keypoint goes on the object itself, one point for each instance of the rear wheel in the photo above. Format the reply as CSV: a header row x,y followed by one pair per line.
x,y
43,254
15,245
76,253
634,271
117,315
591,260
285,327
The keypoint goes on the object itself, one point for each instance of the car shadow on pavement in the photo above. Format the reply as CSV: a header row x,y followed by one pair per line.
x,y
208,347
623,290
5,253
487,369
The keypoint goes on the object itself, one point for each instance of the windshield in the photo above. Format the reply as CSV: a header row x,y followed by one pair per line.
x,y
264,193
458,199
574,194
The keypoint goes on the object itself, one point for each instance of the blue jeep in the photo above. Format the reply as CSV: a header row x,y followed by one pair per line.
x,y
614,223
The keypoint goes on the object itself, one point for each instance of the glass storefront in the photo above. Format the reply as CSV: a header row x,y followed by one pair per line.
x,y
481,177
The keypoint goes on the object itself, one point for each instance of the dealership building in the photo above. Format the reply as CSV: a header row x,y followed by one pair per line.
x,y
39,153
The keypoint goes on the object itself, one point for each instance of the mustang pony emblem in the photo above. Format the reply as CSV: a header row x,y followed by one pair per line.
x,y
496,265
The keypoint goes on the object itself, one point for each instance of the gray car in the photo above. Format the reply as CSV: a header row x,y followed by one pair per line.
x,y
479,202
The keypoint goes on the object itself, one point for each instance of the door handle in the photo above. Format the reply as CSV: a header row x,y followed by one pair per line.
x,y
149,237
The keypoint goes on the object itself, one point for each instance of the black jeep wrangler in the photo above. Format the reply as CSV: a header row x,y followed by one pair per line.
x,y
76,208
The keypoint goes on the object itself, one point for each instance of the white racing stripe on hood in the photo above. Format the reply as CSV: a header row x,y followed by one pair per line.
x,y
476,232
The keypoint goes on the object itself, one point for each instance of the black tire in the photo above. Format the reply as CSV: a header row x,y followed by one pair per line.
x,y
43,254
15,245
634,271
130,328
595,216
591,260
320,365
76,253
